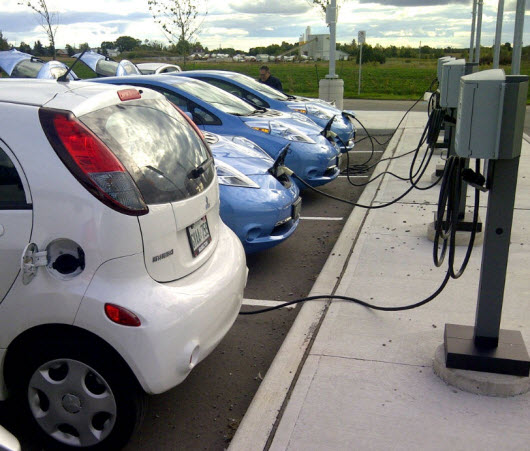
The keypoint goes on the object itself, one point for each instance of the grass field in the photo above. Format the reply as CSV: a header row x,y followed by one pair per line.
x,y
396,79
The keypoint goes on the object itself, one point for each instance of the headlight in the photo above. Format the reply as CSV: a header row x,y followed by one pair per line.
x,y
319,112
247,143
285,132
302,118
227,175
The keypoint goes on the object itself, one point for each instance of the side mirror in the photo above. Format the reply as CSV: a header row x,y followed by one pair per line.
x,y
8,441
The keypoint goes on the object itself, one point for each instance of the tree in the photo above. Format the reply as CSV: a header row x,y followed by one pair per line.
x,y
126,43
25,48
49,21
38,49
180,20
70,50
4,45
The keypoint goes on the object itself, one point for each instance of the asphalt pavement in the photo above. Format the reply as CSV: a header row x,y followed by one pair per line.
x,y
348,377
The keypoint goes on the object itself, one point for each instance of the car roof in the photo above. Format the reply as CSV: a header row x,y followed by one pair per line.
x,y
77,96
219,73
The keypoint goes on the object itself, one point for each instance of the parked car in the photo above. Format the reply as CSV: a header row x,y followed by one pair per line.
x,y
264,96
311,156
117,275
104,66
157,68
262,209
23,65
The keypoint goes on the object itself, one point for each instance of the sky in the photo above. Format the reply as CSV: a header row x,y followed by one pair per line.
x,y
242,24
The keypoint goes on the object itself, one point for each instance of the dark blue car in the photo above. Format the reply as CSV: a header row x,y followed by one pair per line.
x,y
264,96
311,156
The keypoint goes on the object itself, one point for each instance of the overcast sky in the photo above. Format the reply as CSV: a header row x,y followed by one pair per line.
x,y
242,24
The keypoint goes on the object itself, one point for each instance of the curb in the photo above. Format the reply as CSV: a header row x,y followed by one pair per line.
x,y
258,426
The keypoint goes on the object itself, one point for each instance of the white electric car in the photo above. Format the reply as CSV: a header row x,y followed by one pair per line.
x,y
116,274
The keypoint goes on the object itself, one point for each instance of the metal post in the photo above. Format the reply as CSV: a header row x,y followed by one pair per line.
x,y
332,21
498,33
360,65
472,40
518,37
479,32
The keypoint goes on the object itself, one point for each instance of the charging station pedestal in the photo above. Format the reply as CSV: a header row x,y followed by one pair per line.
x,y
450,71
332,90
490,126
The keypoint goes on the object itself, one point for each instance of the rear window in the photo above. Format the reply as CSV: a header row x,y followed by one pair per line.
x,y
107,68
161,151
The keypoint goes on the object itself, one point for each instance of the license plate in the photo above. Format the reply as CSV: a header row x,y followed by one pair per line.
x,y
297,208
199,236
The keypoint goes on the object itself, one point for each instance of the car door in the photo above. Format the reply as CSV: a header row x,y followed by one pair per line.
x,y
16,218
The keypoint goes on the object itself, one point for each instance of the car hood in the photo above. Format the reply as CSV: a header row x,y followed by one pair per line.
x,y
294,120
244,159
50,70
91,59
10,58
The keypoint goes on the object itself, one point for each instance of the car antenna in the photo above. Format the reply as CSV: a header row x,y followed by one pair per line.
x,y
64,77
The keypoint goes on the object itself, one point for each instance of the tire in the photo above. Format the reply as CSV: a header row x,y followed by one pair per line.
x,y
78,396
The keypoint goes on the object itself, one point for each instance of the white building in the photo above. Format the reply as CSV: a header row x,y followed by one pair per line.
x,y
316,46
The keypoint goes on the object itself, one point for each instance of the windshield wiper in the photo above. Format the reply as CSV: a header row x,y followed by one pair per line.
x,y
201,169
290,97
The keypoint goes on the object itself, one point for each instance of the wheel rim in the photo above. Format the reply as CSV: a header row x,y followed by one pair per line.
x,y
72,402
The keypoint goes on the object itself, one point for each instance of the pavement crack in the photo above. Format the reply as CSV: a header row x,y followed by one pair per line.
x,y
372,360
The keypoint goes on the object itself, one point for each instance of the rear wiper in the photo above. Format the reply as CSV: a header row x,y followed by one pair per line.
x,y
201,169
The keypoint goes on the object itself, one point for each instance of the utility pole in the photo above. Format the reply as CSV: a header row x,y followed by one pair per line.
x,y
518,37
479,31
498,32
472,40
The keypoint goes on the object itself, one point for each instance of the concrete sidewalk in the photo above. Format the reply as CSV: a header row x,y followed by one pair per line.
x,y
348,377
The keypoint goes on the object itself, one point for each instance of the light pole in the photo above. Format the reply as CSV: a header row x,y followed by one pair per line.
x,y
498,33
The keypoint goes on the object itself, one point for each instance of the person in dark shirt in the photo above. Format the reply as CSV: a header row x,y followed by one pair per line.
x,y
266,78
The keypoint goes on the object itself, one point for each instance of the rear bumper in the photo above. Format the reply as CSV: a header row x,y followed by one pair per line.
x,y
182,321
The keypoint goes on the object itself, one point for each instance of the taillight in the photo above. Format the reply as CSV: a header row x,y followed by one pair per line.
x,y
92,162
121,315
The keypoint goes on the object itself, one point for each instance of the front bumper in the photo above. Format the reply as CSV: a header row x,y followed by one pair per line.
x,y
182,321
261,218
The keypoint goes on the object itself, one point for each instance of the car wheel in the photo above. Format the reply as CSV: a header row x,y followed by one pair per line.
x,y
77,397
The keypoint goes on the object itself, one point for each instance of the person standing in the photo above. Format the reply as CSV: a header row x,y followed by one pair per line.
x,y
266,78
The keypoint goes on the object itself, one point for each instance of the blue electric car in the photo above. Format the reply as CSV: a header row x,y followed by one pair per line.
x,y
262,209
264,96
311,156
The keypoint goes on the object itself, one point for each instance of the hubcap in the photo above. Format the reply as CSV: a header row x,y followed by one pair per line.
x,y
72,402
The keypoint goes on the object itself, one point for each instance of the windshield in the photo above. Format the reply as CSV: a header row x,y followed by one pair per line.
x,y
216,97
257,86
158,147
106,68
27,69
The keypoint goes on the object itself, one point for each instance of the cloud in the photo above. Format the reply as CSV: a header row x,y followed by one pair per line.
x,y
271,7
416,2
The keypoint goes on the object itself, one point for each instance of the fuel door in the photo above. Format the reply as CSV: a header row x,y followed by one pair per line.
x,y
32,259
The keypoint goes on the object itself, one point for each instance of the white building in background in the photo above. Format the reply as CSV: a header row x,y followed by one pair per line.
x,y
316,46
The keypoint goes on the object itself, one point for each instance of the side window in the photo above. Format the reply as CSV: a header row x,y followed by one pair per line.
x,y
238,92
12,194
181,102
203,117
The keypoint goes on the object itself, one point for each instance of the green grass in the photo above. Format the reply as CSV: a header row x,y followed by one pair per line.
x,y
398,78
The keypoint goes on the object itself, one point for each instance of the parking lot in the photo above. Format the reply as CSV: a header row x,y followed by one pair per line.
x,y
205,410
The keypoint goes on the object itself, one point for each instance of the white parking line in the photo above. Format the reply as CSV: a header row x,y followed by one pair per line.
x,y
261,303
320,218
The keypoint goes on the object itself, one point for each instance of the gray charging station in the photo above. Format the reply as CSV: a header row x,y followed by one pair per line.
x,y
490,120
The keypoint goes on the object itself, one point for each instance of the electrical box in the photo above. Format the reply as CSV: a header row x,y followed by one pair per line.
x,y
449,85
490,118
441,62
